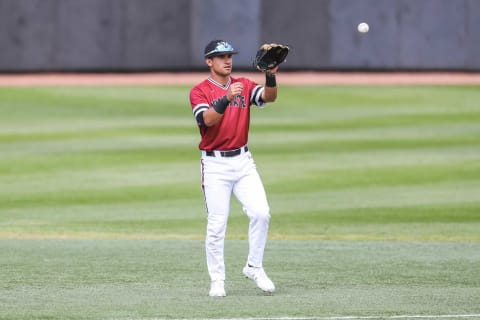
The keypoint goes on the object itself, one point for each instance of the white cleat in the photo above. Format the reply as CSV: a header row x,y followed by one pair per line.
x,y
217,289
260,277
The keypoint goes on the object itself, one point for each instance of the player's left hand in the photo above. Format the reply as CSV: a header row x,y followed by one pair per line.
x,y
270,55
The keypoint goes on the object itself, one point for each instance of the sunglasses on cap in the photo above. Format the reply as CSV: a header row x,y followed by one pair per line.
x,y
217,48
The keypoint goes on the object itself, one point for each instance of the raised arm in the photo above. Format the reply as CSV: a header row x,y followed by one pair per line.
x,y
270,92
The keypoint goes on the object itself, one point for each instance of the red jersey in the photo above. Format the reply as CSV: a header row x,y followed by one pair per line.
x,y
231,132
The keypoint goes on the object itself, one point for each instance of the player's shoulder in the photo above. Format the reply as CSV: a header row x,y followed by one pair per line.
x,y
200,87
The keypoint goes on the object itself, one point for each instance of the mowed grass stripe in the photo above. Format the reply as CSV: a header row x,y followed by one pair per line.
x,y
393,195
151,174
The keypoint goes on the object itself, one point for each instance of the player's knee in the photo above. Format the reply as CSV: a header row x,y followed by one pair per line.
x,y
263,219
260,215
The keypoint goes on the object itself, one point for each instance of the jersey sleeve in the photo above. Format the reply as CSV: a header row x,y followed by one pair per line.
x,y
256,97
256,93
198,101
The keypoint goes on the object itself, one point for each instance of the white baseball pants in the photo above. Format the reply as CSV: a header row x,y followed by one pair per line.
x,y
222,176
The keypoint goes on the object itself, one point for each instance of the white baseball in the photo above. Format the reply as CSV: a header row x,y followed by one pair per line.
x,y
363,27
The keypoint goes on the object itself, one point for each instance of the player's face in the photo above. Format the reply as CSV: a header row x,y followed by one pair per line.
x,y
221,65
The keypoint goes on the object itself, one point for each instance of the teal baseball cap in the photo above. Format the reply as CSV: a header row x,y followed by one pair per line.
x,y
218,48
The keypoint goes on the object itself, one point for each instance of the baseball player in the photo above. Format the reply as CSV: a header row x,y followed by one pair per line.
x,y
221,107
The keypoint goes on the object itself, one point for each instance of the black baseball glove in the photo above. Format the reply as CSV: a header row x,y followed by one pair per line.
x,y
270,55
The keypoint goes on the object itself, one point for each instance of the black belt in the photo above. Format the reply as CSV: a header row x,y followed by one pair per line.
x,y
229,153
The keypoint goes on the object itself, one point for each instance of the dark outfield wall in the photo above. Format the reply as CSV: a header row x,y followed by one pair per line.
x,y
138,35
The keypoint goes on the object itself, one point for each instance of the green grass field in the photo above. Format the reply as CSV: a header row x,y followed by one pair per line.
x,y
374,191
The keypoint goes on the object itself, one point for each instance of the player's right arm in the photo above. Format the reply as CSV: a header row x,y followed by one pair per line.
x,y
201,108
208,115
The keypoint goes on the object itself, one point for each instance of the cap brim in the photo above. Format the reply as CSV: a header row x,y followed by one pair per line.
x,y
214,54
